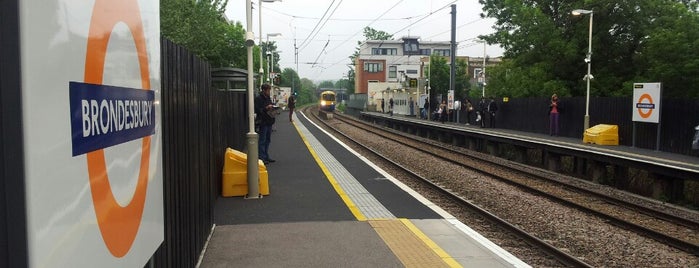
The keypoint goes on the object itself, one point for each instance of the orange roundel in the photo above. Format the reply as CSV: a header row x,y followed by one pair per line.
x,y
645,114
118,225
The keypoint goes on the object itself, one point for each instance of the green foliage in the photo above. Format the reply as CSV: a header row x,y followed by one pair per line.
x,y
201,27
289,78
307,93
326,84
440,73
344,83
632,41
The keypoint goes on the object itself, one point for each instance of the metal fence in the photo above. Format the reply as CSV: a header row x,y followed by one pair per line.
x,y
678,119
198,123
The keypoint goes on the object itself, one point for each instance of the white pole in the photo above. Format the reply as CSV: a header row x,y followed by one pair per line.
x,y
589,76
252,138
271,82
269,67
262,70
483,72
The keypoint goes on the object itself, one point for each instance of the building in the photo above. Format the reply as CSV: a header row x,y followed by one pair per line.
x,y
393,69
396,61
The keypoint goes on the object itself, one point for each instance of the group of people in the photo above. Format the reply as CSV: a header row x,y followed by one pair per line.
x,y
484,108
390,106
487,109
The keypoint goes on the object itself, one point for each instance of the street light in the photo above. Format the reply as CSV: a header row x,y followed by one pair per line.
x,y
270,68
252,138
588,60
259,6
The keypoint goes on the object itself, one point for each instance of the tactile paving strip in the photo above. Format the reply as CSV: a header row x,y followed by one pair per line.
x,y
363,200
408,247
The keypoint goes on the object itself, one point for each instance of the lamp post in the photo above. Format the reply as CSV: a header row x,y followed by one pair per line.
x,y
259,6
270,68
483,72
252,138
588,60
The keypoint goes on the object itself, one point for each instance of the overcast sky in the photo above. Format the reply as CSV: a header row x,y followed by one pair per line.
x,y
326,31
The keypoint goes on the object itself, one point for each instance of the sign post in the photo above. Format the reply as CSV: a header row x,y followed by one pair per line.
x,y
646,107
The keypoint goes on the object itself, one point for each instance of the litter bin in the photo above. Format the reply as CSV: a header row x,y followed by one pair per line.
x,y
235,175
695,142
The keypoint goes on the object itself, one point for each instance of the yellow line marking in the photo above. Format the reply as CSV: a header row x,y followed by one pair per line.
x,y
348,201
417,250
412,247
431,244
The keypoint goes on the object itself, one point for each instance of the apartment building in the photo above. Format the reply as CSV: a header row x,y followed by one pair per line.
x,y
394,61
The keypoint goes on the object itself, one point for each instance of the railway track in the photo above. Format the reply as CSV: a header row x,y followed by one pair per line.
x,y
679,232
562,257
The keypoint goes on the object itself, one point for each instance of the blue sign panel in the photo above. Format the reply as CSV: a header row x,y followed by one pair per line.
x,y
104,116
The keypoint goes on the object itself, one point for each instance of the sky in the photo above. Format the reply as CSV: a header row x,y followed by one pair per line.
x,y
326,32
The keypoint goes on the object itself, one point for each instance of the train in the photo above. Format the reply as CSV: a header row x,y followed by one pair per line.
x,y
327,101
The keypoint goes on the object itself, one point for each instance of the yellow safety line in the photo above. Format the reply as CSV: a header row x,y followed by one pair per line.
x,y
360,216
431,244
352,207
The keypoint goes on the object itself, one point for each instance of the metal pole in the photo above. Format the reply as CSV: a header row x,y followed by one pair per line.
x,y
262,70
586,123
452,55
272,61
269,67
252,138
483,72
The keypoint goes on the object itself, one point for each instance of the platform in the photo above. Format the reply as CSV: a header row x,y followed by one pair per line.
x,y
330,207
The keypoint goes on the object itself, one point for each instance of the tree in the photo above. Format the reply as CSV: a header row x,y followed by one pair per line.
x,y
201,27
307,93
439,76
343,83
326,84
632,41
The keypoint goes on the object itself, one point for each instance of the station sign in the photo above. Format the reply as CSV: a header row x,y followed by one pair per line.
x,y
92,132
646,102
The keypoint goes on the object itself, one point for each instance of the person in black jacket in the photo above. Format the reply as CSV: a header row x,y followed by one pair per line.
x,y
492,108
482,106
264,113
291,104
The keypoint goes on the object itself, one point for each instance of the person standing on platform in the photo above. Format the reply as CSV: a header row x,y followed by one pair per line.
x,y
554,111
492,109
291,104
468,106
426,109
443,109
412,106
390,106
383,106
264,110
482,106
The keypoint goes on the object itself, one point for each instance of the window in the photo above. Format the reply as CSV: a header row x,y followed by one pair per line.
x,y
442,52
373,67
411,47
384,51
426,51
392,70
411,71
477,72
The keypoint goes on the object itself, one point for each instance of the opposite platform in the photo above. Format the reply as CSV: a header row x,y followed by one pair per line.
x,y
330,207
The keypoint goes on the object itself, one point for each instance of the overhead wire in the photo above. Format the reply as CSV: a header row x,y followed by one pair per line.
x,y
305,43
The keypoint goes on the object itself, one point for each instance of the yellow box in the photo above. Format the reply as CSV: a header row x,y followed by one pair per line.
x,y
602,135
235,175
